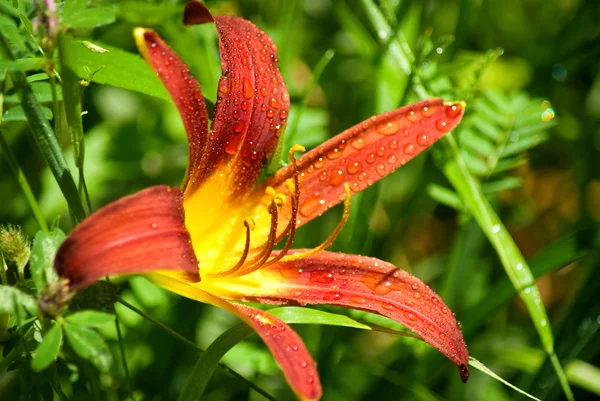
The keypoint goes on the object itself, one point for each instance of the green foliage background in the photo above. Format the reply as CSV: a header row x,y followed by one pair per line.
x,y
516,64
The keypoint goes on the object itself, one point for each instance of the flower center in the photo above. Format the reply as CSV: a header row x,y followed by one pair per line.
x,y
254,259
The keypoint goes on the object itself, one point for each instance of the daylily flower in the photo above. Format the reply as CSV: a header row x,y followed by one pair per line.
x,y
214,239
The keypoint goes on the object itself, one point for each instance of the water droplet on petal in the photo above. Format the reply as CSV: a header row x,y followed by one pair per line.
x,y
337,177
409,149
247,89
388,127
442,126
453,111
423,140
358,143
353,168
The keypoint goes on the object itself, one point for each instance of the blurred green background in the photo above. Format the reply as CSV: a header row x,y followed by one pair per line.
x,y
511,62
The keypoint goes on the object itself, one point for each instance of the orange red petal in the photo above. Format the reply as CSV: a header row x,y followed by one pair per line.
x,y
252,99
285,345
135,234
365,153
357,282
187,96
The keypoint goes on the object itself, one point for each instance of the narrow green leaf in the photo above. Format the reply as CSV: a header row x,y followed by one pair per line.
x,y
17,113
45,138
524,144
41,90
584,375
23,183
45,245
502,184
445,196
482,368
89,345
198,379
298,315
10,30
47,351
72,92
90,318
23,64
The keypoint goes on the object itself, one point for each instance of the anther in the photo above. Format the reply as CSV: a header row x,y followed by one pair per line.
x,y
331,238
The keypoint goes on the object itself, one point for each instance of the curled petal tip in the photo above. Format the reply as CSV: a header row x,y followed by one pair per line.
x,y
196,13
463,370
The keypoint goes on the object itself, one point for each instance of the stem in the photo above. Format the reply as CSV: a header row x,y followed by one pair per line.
x,y
187,342
45,138
22,180
124,359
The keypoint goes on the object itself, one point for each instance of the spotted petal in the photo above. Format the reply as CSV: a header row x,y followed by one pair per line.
x,y
356,282
252,99
285,345
135,234
186,94
365,153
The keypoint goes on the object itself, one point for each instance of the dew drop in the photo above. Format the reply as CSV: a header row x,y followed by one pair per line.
x,y
274,103
410,316
357,299
353,168
283,114
388,127
427,111
235,114
247,89
358,143
409,149
323,176
334,154
412,116
381,170
310,206
453,111
264,91
548,114
223,86
442,126
337,177
321,277
363,176
320,163
393,144
371,158
496,228
238,127
332,296
423,140
270,113
381,151
391,160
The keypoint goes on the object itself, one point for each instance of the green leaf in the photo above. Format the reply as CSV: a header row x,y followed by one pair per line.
x,y
118,68
10,30
89,18
23,64
89,345
481,367
90,318
445,196
17,113
45,245
47,351
41,90
197,380
11,298
298,315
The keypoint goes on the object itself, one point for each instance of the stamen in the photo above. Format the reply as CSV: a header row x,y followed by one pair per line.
x,y
249,224
294,188
332,237
266,252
